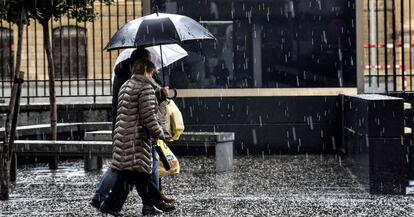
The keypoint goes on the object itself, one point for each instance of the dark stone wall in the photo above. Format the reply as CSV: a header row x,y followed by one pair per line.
x,y
262,125
268,125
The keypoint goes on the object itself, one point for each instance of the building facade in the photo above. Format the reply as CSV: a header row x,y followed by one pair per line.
x,y
260,44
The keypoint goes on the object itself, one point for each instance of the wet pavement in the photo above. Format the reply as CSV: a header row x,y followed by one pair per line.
x,y
314,185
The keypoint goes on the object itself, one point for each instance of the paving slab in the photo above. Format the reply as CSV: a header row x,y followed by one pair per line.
x,y
298,185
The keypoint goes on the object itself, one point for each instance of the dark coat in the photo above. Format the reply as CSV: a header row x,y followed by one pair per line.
x,y
122,73
136,126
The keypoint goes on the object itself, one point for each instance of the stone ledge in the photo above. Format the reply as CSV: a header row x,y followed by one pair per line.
x,y
187,137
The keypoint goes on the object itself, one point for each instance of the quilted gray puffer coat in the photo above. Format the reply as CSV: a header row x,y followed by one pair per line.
x,y
136,126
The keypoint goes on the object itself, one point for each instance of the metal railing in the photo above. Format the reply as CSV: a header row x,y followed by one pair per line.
x,y
388,45
82,67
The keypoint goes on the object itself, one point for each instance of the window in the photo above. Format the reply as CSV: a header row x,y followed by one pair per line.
x,y
6,53
268,44
70,52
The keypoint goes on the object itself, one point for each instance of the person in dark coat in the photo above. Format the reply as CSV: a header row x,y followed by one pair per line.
x,y
137,129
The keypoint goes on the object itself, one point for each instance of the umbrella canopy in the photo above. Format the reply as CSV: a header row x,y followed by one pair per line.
x,y
170,53
156,29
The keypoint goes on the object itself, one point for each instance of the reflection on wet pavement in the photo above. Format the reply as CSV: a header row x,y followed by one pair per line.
x,y
314,185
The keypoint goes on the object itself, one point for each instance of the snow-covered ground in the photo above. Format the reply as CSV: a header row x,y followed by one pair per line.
x,y
314,185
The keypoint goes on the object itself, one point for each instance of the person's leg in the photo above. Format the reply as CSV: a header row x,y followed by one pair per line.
x,y
151,197
104,186
166,197
119,192
155,173
147,189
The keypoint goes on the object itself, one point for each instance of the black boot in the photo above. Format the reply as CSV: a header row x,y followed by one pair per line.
x,y
106,210
157,208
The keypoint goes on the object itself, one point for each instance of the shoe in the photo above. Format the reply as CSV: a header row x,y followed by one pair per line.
x,y
150,210
106,210
165,207
95,203
168,198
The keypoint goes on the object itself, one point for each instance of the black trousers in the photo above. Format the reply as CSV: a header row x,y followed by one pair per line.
x,y
125,182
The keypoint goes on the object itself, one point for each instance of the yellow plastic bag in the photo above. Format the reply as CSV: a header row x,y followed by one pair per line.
x,y
176,119
172,160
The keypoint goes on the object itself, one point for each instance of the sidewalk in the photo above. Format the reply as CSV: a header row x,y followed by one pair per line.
x,y
315,185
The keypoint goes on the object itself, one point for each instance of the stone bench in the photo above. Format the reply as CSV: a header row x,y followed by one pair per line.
x,y
87,149
222,141
32,140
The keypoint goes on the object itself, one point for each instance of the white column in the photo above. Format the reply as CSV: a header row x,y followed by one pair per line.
x,y
360,21
373,40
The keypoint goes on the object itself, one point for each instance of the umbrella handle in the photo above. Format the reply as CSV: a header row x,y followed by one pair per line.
x,y
175,94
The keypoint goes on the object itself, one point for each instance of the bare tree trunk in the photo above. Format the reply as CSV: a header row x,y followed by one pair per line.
x,y
7,149
10,133
53,163
11,120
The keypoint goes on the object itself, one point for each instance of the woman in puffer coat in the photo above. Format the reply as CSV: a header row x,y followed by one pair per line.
x,y
122,72
136,131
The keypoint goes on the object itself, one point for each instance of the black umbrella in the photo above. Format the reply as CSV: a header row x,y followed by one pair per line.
x,y
157,29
